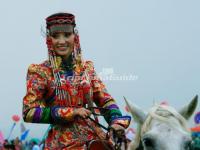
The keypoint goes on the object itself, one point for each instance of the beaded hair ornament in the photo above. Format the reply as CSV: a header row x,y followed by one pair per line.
x,y
62,22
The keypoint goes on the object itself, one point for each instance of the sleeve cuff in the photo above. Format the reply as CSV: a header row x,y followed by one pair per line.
x,y
124,121
62,114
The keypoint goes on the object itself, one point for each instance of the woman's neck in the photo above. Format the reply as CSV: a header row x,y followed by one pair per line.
x,y
67,64
67,60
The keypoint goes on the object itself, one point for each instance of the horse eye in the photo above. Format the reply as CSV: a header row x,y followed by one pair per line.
x,y
148,142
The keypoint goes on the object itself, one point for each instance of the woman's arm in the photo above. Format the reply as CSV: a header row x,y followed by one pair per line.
x,y
113,115
103,99
35,109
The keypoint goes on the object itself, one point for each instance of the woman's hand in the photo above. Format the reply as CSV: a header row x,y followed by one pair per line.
x,y
117,127
118,130
82,112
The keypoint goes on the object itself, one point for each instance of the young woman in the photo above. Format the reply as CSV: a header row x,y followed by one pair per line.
x,y
62,91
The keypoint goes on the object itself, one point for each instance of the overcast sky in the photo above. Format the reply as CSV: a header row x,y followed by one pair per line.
x,y
156,41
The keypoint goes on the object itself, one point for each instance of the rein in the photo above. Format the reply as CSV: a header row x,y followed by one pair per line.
x,y
102,126
118,138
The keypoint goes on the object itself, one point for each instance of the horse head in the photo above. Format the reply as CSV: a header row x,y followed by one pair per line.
x,y
162,128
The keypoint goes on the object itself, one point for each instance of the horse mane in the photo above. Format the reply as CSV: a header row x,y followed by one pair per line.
x,y
159,112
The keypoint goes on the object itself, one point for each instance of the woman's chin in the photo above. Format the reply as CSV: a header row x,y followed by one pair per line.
x,y
62,52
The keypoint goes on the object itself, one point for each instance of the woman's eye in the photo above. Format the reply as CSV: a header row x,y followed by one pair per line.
x,y
68,34
55,36
61,35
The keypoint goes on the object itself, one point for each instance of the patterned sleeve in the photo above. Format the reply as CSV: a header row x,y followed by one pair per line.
x,y
35,109
103,99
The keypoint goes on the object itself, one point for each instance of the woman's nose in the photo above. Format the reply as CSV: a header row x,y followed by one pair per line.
x,y
62,40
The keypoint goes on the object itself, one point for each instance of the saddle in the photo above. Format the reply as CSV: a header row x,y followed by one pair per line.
x,y
99,145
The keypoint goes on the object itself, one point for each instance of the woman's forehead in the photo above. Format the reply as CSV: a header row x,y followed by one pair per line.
x,y
61,32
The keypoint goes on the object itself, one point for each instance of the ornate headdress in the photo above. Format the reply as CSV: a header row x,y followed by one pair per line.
x,y
60,22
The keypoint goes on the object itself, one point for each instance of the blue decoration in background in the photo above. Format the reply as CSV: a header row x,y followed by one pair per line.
x,y
197,118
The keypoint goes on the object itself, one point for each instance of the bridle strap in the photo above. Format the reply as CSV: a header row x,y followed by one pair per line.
x,y
102,126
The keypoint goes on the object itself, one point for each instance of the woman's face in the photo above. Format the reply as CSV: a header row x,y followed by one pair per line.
x,y
63,43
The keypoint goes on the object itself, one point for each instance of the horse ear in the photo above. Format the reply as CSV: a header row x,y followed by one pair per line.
x,y
189,109
137,113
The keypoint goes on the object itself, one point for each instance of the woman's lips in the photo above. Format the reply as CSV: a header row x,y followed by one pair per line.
x,y
62,47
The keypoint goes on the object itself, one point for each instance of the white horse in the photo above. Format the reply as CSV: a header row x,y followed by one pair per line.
x,y
163,128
